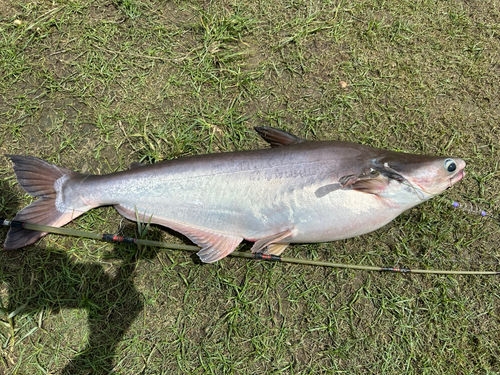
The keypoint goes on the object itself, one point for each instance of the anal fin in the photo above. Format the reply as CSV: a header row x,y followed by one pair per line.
x,y
214,245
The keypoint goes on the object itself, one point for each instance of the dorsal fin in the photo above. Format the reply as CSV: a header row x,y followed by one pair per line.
x,y
276,137
135,164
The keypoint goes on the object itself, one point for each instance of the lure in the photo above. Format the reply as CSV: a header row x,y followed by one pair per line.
x,y
472,208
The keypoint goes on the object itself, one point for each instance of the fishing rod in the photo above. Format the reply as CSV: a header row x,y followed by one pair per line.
x,y
239,254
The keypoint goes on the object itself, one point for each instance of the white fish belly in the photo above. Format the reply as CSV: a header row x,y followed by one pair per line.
x,y
253,207
342,214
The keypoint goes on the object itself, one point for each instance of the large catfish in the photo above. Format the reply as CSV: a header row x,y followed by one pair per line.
x,y
296,191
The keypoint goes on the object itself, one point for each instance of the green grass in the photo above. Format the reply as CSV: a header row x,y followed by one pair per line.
x,y
96,85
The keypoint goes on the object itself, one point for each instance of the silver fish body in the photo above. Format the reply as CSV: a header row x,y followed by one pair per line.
x,y
298,192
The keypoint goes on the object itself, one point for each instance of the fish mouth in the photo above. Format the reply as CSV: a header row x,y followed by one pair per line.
x,y
459,176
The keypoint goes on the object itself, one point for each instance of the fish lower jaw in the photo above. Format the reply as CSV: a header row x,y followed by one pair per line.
x,y
458,177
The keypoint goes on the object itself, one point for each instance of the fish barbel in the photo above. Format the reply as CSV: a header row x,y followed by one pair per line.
x,y
296,191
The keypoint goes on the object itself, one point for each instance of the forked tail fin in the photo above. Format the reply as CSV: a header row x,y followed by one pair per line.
x,y
46,181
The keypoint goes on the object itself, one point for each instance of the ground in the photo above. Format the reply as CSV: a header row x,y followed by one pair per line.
x,y
95,85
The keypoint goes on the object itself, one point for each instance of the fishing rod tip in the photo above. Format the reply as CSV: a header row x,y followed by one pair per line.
x,y
5,222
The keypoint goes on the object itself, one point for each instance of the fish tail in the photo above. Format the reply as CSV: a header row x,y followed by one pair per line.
x,y
45,181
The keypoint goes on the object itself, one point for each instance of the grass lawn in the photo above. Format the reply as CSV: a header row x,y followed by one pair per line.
x,y
95,85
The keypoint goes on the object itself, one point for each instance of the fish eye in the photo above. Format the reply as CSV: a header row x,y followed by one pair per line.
x,y
450,165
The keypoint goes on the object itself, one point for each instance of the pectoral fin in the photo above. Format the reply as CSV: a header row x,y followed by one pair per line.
x,y
327,189
214,246
375,181
372,182
264,242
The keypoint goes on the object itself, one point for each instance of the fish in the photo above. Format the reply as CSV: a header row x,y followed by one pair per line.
x,y
296,191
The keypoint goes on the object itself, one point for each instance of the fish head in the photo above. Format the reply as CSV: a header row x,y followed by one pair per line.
x,y
426,175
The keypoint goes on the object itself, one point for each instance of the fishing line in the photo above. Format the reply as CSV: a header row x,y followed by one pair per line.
x,y
467,207
256,256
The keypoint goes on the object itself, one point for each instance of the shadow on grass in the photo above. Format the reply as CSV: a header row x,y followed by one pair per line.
x,y
42,279
50,280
